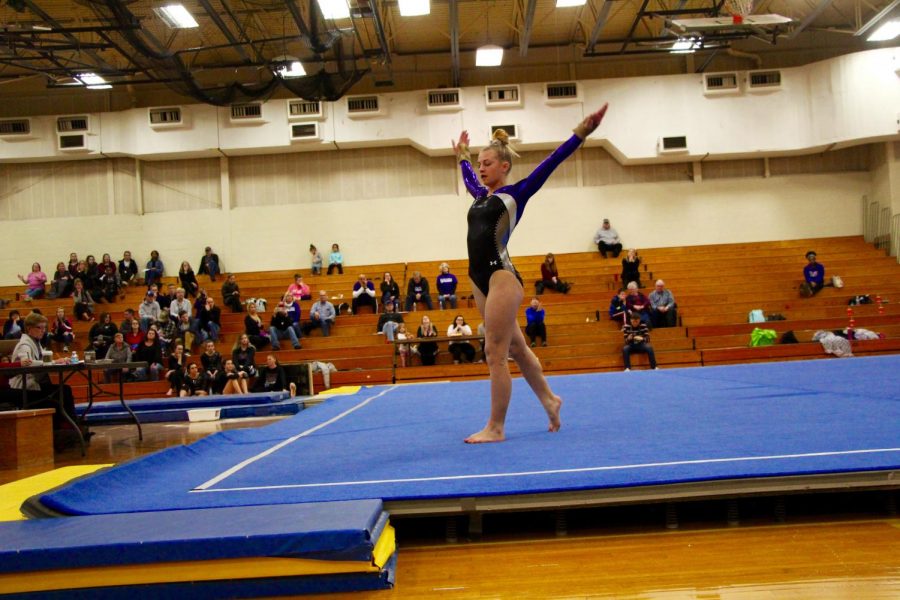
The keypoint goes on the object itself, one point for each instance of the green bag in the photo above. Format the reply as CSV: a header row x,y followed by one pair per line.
x,y
763,337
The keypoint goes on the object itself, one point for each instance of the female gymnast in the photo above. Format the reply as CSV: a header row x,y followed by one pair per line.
x,y
497,288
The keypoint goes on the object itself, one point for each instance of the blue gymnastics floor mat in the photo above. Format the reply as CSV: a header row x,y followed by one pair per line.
x,y
619,430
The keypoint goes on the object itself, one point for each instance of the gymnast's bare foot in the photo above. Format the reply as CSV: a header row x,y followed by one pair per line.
x,y
486,436
553,406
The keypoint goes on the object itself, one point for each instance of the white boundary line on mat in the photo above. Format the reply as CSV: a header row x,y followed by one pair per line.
x,y
204,487
554,471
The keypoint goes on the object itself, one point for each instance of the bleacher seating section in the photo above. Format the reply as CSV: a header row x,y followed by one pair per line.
x,y
715,287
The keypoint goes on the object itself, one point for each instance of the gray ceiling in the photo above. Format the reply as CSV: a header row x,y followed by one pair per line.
x,y
231,55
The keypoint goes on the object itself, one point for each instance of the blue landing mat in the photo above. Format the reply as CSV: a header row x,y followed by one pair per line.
x,y
213,401
619,430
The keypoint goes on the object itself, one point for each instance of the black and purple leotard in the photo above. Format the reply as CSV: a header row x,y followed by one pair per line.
x,y
492,217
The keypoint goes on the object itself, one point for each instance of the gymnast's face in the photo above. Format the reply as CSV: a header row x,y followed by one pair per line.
x,y
491,169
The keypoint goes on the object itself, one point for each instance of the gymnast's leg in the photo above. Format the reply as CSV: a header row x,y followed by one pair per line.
x,y
534,375
501,329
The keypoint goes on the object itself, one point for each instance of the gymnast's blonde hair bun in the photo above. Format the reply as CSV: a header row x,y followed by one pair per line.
x,y
500,141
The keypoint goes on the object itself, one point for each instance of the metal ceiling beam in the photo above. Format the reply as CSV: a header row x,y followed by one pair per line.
x,y
874,20
56,25
634,24
823,4
598,26
526,28
214,15
454,43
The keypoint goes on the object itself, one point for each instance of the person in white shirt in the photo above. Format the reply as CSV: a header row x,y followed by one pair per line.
x,y
607,240
459,327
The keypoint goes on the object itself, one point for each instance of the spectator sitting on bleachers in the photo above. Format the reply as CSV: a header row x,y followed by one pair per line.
x,y
73,262
209,264
814,274
128,270
35,281
417,291
148,310
128,317
244,356
637,303
61,287
12,328
335,260
315,266
631,268
637,339
102,334
550,277
281,327
535,327
168,331
235,380
390,290
663,310
618,308
135,337
149,350
186,331
403,349
446,287
180,304
61,330
293,310
90,275
321,314
118,352
427,350
212,367
254,328
607,240
299,290
231,294
272,378
155,269
83,302
175,372
195,382
209,321
165,300
109,278
459,327
389,321
363,295
187,279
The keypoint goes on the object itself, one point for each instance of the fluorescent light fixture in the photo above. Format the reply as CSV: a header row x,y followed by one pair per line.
x,y
684,46
567,3
887,31
414,8
93,81
291,69
334,9
176,16
489,56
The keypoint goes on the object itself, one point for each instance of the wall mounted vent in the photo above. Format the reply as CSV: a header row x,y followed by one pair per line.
x,y
670,144
304,109
69,142
444,99
510,128
721,83
364,106
67,124
167,116
248,112
304,131
502,96
15,128
763,81
562,92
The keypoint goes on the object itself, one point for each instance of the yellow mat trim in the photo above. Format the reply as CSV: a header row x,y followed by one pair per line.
x,y
344,390
12,495
201,570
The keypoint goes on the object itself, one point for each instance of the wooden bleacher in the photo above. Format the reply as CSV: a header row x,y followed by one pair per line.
x,y
715,287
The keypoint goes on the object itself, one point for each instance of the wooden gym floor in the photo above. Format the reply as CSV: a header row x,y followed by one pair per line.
x,y
839,548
